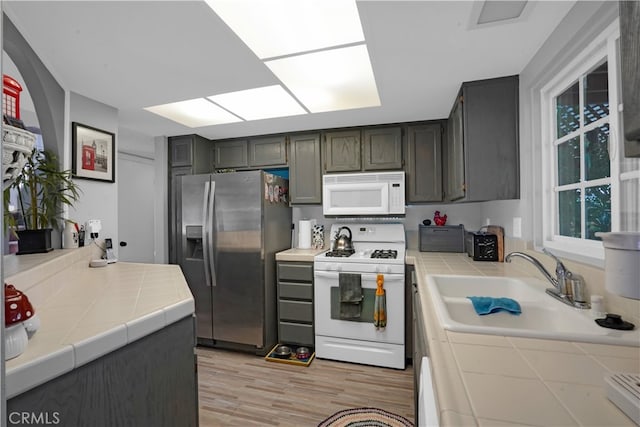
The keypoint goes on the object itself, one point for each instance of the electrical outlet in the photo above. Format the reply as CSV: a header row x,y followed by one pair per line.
x,y
517,227
93,227
487,221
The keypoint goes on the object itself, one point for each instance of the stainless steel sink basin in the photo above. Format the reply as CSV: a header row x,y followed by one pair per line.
x,y
541,317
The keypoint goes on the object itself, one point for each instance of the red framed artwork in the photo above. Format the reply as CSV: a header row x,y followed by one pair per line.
x,y
93,153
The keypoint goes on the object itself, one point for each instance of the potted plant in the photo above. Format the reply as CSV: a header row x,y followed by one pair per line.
x,y
43,189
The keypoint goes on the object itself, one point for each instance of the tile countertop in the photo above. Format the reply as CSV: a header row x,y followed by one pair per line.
x,y
301,255
490,380
86,312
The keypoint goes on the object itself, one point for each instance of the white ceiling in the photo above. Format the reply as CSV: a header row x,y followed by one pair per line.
x,y
131,55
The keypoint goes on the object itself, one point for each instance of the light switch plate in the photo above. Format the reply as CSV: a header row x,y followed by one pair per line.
x,y
517,227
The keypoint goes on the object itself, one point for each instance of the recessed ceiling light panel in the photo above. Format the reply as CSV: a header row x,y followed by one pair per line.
x,y
194,113
282,27
337,79
260,103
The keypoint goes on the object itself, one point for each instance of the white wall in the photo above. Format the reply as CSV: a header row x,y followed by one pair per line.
x,y
98,200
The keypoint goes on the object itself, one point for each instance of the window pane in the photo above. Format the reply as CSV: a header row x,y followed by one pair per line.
x,y
569,213
597,210
568,111
596,94
569,161
596,149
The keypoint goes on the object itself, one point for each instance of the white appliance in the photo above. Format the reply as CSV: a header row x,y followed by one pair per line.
x,y
427,409
377,249
380,193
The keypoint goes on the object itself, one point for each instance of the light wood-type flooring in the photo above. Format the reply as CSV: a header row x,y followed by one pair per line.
x,y
238,389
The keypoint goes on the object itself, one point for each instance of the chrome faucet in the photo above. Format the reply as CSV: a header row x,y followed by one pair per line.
x,y
568,287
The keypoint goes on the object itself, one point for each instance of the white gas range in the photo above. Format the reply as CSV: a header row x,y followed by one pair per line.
x,y
378,249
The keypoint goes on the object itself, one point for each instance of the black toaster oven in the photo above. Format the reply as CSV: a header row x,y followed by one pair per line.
x,y
482,246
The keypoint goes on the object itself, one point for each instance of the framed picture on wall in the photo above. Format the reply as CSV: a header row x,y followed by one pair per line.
x,y
93,153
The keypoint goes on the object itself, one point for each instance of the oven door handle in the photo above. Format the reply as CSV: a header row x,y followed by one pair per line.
x,y
334,275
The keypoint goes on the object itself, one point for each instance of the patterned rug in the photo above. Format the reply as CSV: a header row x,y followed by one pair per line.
x,y
360,417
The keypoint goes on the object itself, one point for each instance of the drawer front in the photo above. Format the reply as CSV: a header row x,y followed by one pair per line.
x,y
301,311
293,333
296,290
297,272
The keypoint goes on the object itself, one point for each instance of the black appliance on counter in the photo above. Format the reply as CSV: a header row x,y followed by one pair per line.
x,y
482,246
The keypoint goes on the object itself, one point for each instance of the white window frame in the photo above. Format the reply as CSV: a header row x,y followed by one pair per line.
x,y
602,48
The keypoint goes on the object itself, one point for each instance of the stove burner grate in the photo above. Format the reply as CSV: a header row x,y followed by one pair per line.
x,y
384,253
340,253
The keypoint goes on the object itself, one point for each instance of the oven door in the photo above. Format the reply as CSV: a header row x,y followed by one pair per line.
x,y
327,308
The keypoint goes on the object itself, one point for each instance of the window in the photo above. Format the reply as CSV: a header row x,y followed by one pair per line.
x,y
588,184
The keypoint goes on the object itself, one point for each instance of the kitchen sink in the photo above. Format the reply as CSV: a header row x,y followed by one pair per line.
x,y
541,317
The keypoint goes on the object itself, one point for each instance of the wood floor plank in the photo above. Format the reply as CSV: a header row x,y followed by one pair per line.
x,y
239,389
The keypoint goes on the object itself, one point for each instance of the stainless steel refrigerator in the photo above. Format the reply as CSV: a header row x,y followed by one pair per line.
x,y
230,227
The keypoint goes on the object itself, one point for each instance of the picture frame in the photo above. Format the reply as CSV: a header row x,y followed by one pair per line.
x,y
93,153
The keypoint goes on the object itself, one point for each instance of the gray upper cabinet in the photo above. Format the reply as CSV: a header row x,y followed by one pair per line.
x,y
305,172
342,151
483,141
382,148
455,154
423,165
269,151
190,150
630,61
231,154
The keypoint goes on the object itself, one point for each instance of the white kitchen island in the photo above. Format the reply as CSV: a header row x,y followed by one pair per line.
x,y
115,345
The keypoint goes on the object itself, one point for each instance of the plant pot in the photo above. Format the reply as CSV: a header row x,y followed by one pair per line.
x,y
34,241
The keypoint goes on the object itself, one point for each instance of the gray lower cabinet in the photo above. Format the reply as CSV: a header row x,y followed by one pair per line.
x,y
382,148
483,145
342,151
305,171
423,164
630,63
150,382
295,303
268,152
232,154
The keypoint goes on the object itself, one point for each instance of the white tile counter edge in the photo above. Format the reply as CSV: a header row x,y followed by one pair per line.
x,y
39,371
300,255
35,372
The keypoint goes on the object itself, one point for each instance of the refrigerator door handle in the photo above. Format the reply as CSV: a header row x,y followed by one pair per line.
x,y
205,236
207,247
211,229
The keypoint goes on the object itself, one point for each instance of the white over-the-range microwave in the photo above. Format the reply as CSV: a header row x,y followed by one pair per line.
x,y
371,193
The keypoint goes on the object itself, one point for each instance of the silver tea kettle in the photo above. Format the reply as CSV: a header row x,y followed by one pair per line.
x,y
343,242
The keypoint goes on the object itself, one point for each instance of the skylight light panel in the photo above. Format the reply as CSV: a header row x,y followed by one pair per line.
x,y
194,113
260,103
331,80
282,27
